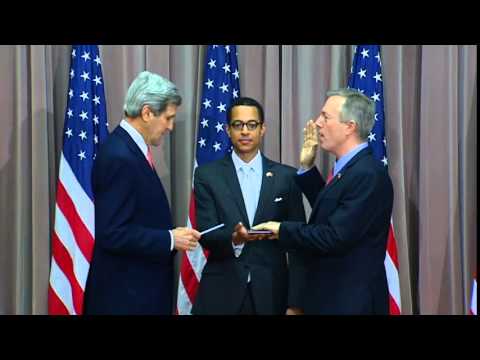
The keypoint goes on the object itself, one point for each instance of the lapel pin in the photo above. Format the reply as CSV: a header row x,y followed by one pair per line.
x,y
269,174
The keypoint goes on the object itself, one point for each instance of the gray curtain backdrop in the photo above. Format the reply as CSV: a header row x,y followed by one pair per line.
x,y
431,124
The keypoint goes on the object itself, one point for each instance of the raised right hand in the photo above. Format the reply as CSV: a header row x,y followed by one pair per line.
x,y
185,238
310,144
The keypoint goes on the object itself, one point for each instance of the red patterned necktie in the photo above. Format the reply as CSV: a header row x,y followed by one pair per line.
x,y
330,176
150,157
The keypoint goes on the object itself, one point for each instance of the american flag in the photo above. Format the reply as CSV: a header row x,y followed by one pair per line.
x,y
73,237
221,86
473,302
366,77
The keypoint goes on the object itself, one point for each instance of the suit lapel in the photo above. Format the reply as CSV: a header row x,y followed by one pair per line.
x,y
267,192
338,179
231,179
145,166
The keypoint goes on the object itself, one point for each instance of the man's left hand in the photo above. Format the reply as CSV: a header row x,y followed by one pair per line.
x,y
270,225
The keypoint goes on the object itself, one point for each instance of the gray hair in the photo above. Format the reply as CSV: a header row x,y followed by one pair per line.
x,y
358,108
152,90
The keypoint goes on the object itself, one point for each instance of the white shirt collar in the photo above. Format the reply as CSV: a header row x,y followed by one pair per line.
x,y
255,163
136,136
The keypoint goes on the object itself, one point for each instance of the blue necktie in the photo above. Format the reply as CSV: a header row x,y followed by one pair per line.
x,y
249,191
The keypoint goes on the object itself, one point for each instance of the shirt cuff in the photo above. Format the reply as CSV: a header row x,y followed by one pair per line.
x,y
172,241
237,249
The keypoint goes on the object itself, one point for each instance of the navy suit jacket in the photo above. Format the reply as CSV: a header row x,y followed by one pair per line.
x,y
131,271
345,239
218,198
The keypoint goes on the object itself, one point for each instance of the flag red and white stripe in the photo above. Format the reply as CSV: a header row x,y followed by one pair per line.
x,y
72,244
391,268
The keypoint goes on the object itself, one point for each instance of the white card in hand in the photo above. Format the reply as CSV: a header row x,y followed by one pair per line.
x,y
212,228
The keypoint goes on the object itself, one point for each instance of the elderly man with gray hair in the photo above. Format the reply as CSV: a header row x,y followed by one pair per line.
x,y
345,239
131,270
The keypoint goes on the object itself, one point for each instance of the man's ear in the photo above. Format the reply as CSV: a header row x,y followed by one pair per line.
x,y
352,127
146,113
263,129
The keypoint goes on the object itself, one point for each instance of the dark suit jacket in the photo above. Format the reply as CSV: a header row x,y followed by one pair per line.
x,y
131,270
346,238
224,279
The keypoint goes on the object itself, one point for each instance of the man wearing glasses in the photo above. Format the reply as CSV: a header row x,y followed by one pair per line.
x,y
241,190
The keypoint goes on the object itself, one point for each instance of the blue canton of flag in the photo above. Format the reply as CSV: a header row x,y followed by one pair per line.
x,y
86,124
221,86
366,77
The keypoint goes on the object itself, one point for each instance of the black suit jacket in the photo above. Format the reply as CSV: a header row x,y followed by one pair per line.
x,y
224,279
345,238
132,267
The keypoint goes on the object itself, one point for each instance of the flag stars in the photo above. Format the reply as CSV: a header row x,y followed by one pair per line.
x,y
235,93
376,97
227,49
70,93
219,127
376,116
212,63
378,58
384,141
204,123
96,100
98,80
226,68
83,135
224,88
385,161
95,119
85,76
69,133
95,139
236,74
217,146
202,142
371,137
84,115
362,73
221,107
81,155
377,77
74,52
365,53
72,73
86,56
207,103
69,113
84,96
97,60
209,83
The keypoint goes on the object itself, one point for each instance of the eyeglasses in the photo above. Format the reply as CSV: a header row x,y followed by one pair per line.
x,y
238,125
